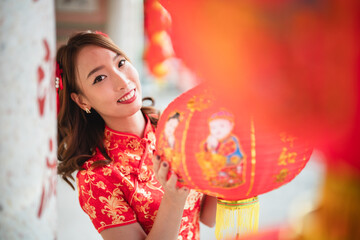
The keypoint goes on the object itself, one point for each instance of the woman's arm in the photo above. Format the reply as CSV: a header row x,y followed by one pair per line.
x,y
208,211
168,219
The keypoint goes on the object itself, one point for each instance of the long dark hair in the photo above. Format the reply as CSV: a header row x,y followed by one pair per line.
x,y
79,134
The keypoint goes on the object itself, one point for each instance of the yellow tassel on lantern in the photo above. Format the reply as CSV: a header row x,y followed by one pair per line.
x,y
234,218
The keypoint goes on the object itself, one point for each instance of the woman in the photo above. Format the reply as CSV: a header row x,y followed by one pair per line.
x,y
106,134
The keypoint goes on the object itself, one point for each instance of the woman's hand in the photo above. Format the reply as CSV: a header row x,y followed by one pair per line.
x,y
168,219
172,193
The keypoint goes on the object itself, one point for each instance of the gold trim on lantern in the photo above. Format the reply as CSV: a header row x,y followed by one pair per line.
x,y
183,143
253,156
238,203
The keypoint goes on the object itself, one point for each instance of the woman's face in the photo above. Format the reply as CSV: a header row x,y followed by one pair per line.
x,y
108,83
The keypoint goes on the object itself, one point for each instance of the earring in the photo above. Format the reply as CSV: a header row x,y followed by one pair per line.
x,y
87,110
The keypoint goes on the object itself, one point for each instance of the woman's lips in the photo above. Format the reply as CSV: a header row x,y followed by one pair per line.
x,y
128,98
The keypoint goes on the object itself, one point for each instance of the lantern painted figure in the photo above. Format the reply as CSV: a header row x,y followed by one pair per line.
x,y
221,158
167,139
229,156
170,127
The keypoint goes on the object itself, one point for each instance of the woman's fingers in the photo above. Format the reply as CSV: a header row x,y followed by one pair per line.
x,y
179,194
156,163
171,182
162,172
161,169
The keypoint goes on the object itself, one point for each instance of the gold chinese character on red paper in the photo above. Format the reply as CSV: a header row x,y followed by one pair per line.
x,y
286,157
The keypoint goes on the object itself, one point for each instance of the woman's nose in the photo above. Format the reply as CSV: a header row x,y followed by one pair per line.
x,y
120,81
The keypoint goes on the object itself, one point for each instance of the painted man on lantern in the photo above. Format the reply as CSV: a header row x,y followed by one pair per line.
x,y
221,158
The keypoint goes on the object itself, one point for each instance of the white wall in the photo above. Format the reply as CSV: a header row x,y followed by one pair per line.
x,y
27,120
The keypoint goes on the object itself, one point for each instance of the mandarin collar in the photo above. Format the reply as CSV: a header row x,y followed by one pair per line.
x,y
130,153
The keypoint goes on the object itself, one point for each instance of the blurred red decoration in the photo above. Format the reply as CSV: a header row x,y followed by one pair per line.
x,y
295,64
158,48
268,234
292,62
223,154
156,17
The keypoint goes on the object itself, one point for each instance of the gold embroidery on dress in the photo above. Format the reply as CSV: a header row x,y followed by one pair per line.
x,y
107,171
90,210
133,144
144,200
192,198
100,184
89,177
115,205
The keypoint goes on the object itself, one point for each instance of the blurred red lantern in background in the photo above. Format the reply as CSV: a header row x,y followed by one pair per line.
x,y
157,52
226,155
293,62
156,17
158,49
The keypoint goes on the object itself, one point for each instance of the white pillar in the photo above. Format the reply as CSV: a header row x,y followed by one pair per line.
x,y
27,120
125,26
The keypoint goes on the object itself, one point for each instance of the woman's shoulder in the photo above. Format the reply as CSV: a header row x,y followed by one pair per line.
x,y
91,166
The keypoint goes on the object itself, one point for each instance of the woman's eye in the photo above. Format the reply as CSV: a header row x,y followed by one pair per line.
x,y
99,79
122,62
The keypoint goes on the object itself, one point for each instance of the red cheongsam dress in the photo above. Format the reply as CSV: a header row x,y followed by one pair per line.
x,y
126,190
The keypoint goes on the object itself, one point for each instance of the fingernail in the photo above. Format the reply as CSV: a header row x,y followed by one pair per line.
x,y
165,164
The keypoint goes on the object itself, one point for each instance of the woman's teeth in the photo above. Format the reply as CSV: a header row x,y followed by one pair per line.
x,y
127,97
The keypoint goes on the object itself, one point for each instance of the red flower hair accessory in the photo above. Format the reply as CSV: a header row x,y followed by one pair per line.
x,y
101,33
58,84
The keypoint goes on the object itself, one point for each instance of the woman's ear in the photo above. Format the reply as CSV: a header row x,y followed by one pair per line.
x,y
80,101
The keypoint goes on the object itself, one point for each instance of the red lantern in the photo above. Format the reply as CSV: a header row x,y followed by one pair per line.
x,y
158,51
225,155
156,18
159,47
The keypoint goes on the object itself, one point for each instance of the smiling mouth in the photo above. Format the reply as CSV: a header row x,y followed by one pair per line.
x,y
127,97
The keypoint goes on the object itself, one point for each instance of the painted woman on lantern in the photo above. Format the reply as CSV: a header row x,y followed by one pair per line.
x,y
170,127
171,148
222,159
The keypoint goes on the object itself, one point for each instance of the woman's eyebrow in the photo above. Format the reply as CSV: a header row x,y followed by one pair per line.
x,y
95,70
100,67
